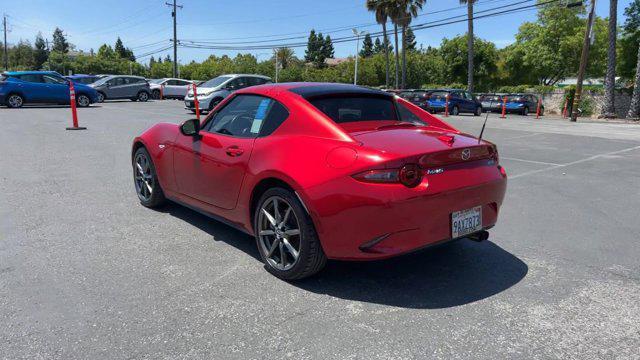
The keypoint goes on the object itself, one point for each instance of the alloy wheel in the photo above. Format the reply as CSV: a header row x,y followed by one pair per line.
x,y
83,101
143,177
15,101
100,97
279,233
143,96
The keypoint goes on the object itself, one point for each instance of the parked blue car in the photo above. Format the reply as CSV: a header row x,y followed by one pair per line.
x,y
84,79
523,104
460,101
27,87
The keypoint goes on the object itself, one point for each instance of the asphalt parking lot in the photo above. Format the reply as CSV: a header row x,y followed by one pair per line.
x,y
88,273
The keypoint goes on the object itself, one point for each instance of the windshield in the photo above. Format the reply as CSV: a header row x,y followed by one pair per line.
x,y
356,108
102,80
156,81
216,81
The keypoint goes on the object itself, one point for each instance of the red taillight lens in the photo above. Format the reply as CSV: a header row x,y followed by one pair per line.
x,y
409,175
503,172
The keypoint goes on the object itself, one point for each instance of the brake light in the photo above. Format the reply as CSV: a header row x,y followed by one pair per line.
x,y
409,175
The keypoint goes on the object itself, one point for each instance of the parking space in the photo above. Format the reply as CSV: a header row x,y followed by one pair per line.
x,y
87,272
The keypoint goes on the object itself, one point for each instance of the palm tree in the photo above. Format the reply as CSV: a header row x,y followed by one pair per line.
x,y
610,79
470,52
396,13
408,9
634,109
381,9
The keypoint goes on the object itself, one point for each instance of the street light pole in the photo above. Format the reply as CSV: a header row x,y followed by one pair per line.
x,y
355,73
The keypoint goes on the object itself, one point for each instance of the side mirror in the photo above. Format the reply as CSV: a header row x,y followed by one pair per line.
x,y
190,127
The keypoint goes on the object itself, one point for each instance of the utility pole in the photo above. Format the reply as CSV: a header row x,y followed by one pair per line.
x,y
275,53
175,37
355,73
6,58
583,62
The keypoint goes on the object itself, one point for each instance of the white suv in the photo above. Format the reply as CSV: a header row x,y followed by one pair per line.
x,y
211,92
173,88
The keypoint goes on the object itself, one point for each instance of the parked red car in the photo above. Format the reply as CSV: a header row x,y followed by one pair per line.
x,y
317,171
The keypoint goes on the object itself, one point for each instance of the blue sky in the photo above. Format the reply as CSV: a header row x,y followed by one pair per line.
x,y
146,25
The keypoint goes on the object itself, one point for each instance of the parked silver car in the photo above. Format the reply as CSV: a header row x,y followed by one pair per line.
x,y
111,87
173,88
215,90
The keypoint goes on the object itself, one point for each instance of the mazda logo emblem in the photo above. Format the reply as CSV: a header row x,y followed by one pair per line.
x,y
466,154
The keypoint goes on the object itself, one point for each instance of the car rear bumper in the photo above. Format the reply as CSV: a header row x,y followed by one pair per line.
x,y
351,216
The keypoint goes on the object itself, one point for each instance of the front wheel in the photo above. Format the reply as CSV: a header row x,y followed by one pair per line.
x,y
285,236
478,111
83,100
143,96
155,94
146,180
101,97
455,110
15,101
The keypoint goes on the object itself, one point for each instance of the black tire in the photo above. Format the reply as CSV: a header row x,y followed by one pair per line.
x,y
156,196
155,94
455,110
143,96
101,97
525,111
311,258
14,101
83,100
478,111
213,103
541,111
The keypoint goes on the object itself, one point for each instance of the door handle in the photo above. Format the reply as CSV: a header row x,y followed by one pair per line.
x,y
234,151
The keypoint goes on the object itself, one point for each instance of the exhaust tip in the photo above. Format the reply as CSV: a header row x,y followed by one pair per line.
x,y
479,236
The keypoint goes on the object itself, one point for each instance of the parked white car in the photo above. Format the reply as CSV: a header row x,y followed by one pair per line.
x,y
173,88
211,92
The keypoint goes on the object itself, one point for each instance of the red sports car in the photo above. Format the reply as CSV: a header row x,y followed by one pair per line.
x,y
324,171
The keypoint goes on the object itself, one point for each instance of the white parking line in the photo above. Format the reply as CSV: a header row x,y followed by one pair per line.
x,y
574,162
530,161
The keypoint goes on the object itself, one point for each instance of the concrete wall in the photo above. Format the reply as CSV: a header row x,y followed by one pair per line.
x,y
554,102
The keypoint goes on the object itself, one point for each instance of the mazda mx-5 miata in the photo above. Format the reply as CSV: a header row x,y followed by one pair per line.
x,y
324,171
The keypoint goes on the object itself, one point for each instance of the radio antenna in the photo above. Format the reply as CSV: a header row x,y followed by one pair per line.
x,y
485,121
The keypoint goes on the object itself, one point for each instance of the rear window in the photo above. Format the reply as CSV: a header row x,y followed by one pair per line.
x,y
511,98
356,108
438,95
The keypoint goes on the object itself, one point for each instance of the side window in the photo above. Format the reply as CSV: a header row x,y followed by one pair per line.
x,y
52,80
34,78
241,117
116,81
468,96
172,82
276,116
455,95
182,83
408,115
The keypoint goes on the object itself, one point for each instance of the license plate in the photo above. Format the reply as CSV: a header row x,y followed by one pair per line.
x,y
189,103
465,222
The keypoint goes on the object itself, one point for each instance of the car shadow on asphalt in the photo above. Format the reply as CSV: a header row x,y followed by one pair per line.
x,y
443,276
92,106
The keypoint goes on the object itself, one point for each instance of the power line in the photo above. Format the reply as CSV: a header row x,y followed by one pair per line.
x,y
417,27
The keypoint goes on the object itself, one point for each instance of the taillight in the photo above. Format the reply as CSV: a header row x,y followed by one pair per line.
x,y
409,175
503,172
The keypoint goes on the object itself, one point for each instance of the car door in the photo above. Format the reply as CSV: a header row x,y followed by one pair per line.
x,y
210,168
57,89
171,88
469,102
33,87
116,88
182,88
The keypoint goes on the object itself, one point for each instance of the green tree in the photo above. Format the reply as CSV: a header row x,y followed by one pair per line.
x,y
120,49
313,48
41,54
21,56
367,46
405,14
470,41
381,8
286,57
60,43
328,52
628,50
454,54
410,40
106,52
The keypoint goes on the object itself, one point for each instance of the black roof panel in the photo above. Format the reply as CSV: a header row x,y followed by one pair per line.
x,y
330,89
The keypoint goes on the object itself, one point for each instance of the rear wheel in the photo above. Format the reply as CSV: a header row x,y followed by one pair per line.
x,y
155,94
146,180
83,100
525,111
478,111
213,103
285,236
101,97
15,101
455,110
